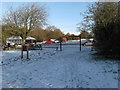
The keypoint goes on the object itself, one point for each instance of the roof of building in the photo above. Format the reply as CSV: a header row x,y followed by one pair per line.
x,y
19,38
14,38
30,38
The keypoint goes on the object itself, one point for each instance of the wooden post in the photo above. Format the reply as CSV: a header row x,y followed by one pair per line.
x,y
15,47
25,48
80,43
60,45
27,53
22,53
40,47
56,48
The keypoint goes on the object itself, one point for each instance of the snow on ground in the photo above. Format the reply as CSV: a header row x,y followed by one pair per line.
x,y
49,68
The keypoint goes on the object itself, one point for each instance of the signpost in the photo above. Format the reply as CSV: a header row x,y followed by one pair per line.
x,y
69,36
25,48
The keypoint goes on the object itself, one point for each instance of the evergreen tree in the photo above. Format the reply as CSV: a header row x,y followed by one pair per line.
x,y
106,24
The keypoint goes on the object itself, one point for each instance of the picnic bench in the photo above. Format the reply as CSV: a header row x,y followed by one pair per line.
x,y
40,47
6,47
36,47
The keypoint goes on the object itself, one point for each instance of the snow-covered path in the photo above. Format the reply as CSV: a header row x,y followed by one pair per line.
x,y
69,68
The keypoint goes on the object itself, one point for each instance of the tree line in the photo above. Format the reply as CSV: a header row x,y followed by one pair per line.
x,y
103,18
28,20
31,20
84,35
40,34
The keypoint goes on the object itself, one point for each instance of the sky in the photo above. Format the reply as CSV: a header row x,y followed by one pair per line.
x,y
63,15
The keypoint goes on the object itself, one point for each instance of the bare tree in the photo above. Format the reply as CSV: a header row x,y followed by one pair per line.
x,y
26,18
51,28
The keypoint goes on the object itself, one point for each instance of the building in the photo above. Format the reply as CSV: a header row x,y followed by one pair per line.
x,y
17,40
14,40
30,40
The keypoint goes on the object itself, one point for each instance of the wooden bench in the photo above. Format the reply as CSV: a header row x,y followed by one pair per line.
x,y
36,47
39,46
6,47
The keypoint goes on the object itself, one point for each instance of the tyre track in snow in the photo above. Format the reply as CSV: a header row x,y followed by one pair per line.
x,y
71,69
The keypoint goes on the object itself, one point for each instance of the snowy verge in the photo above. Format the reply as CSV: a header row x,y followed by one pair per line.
x,y
48,68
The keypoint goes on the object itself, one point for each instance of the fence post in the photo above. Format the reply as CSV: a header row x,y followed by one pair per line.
x,y
80,43
60,46
22,53
40,47
27,53
56,48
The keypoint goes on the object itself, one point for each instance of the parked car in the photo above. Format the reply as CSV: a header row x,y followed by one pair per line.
x,y
87,43
64,41
49,42
90,39
53,40
56,41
